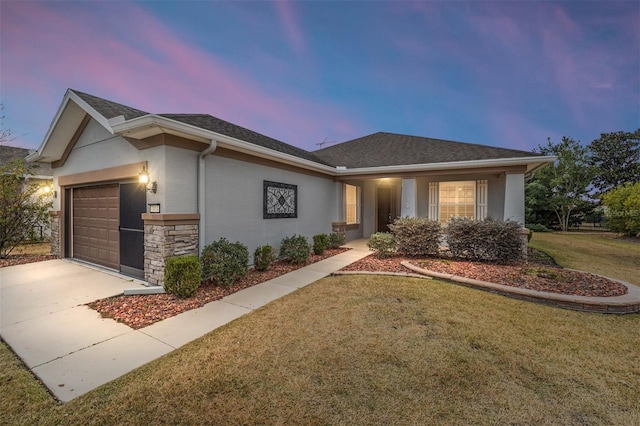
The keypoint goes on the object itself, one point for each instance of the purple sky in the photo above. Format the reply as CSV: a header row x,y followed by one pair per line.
x,y
498,73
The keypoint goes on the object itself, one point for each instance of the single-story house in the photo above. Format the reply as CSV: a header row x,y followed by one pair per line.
x,y
208,178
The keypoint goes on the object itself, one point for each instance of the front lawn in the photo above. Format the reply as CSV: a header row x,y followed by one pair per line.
x,y
603,254
371,350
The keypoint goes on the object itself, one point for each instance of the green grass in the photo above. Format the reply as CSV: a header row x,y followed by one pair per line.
x,y
371,350
598,253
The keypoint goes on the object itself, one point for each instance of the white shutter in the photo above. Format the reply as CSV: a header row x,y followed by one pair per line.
x,y
481,199
433,200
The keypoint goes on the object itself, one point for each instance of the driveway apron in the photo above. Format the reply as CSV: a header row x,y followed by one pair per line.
x,y
44,319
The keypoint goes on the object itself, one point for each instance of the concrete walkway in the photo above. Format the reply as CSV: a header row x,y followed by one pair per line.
x,y
73,350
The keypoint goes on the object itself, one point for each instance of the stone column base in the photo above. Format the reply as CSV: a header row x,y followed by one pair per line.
x,y
55,233
167,235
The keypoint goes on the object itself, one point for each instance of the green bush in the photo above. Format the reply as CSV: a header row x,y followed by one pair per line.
x,y
537,227
484,240
263,257
320,243
295,249
417,236
224,262
623,204
335,240
182,276
383,244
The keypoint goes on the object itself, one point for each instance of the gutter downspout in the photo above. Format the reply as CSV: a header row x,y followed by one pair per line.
x,y
201,194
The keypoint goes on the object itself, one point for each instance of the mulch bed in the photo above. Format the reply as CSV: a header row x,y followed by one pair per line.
x,y
539,274
140,311
21,259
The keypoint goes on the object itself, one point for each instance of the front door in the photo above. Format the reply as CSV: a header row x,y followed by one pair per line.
x,y
133,202
386,208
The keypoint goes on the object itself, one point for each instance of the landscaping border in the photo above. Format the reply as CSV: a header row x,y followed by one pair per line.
x,y
626,304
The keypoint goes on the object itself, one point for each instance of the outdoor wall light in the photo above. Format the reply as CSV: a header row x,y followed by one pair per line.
x,y
143,180
48,189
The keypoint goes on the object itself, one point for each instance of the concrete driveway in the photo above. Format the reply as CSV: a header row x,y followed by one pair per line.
x,y
44,319
73,350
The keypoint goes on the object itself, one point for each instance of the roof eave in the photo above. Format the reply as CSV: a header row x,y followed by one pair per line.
x,y
532,164
152,124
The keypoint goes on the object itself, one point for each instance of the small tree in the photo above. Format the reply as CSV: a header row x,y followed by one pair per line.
x,y
562,187
616,159
623,204
22,206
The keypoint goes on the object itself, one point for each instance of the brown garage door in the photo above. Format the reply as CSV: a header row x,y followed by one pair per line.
x,y
95,225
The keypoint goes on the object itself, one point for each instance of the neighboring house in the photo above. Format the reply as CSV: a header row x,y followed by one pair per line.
x,y
42,176
211,179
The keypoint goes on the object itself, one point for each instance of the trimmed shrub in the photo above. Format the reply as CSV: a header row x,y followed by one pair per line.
x,y
182,276
335,240
320,243
484,240
224,262
383,244
263,257
537,227
295,249
417,236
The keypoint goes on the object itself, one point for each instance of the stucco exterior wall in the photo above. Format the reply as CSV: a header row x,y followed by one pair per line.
x,y
180,180
234,203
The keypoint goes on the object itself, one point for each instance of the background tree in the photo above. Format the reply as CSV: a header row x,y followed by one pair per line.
x,y
623,205
22,204
616,158
561,188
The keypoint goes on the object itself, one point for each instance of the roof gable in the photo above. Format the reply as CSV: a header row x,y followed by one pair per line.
x,y
384,152
109,109
391,149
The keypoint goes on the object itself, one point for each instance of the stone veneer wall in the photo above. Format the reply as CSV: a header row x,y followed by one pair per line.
x,y
167,235
55,232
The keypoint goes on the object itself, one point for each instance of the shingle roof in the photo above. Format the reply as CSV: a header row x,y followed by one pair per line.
x,y
110,109
208,122
376,150
391,149
8,153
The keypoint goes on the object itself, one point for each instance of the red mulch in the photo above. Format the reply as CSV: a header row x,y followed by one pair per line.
x,y
538,274
142,310
21,259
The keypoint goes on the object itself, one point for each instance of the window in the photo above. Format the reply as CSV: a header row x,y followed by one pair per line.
x,y
351,204
457,199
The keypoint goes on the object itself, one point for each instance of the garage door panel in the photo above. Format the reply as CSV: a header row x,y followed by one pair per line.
x,y
95,225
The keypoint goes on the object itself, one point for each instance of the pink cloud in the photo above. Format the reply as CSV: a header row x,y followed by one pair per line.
x,y
287,16
150,68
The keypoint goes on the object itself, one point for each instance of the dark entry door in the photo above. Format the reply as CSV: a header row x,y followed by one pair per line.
x,y
386,208
133,202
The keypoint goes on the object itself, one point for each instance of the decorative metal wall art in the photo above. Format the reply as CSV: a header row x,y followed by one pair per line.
x,y
280,200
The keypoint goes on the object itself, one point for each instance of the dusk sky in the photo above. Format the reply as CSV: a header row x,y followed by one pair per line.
x,y
499,73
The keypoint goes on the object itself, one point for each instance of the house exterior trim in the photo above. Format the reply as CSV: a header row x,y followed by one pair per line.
x,y
126,171
437,172
166,139
171,218
72,143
